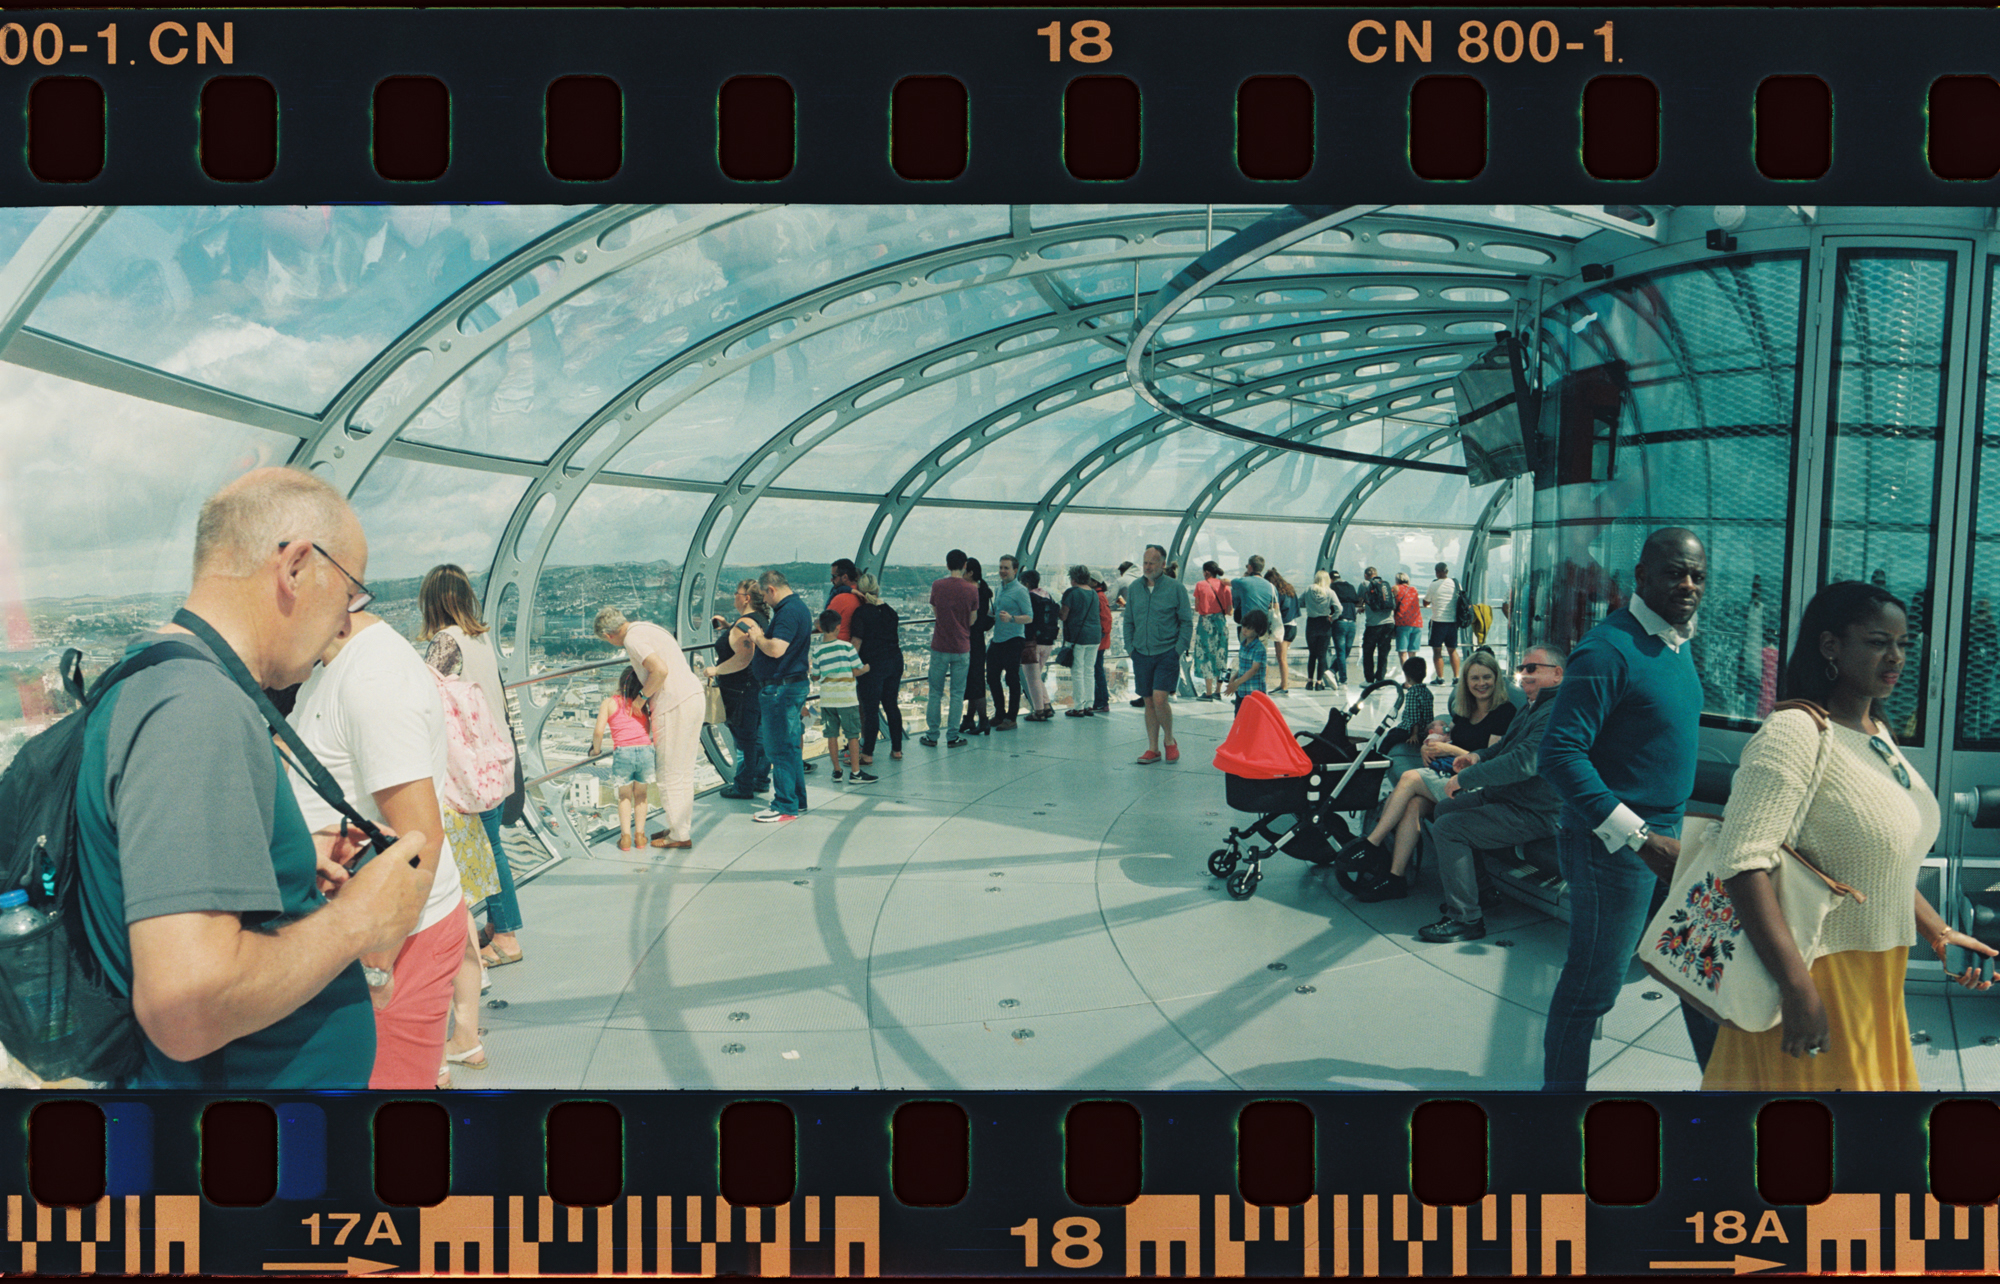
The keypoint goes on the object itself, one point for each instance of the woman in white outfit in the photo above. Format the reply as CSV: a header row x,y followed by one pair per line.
x,y
669,682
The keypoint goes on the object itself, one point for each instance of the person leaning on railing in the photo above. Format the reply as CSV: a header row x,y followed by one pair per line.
x,y
731,675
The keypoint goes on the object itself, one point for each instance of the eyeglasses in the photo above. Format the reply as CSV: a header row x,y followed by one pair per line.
x,y
1888,755
357,600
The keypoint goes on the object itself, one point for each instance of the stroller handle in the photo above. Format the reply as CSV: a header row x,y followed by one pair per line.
x,y
1370,690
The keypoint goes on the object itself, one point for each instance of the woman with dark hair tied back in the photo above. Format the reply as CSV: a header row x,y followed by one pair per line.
x,y
1869,825
451,610
975,722
877,637
732,677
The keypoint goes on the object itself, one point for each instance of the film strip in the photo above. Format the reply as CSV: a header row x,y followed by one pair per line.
x,y
1568,107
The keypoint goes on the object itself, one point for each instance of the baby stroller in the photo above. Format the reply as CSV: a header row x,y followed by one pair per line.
x,y
1299,814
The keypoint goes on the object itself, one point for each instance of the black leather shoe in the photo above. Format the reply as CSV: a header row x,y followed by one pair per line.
x,y
1449,929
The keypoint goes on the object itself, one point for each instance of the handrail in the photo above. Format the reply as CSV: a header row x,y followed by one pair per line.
x,y
605,664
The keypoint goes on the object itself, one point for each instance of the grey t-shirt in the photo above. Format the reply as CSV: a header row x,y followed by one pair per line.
x,y
180,810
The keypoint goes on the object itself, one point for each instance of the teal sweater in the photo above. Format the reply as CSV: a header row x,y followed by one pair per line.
x,y
1625,727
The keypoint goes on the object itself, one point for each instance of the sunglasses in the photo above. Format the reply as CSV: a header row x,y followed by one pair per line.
x,y
1888,755
1530,668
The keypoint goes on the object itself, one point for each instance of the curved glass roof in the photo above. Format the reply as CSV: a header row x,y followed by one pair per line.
x,y
514,387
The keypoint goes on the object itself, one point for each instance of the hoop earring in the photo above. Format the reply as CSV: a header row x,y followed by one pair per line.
x,y
1832,673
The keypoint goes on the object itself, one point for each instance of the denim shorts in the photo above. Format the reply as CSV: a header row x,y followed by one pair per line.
x,y
1409,637
632,764
1152,673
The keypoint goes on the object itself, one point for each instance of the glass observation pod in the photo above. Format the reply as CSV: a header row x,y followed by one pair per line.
x,y
640,406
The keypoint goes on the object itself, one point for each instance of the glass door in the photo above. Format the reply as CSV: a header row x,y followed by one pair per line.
x,y
1895,337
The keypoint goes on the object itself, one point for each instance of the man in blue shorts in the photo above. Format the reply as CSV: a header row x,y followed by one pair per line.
x,y
1159,628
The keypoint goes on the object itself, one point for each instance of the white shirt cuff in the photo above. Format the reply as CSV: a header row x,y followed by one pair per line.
x,y
1617,830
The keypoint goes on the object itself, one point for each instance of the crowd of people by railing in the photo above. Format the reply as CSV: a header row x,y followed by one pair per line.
x,y
224,857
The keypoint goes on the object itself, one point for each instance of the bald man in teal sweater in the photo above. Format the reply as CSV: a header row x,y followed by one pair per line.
x,y
1620,748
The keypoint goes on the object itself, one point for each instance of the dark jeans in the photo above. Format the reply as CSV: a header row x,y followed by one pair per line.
x,y
503,912
879,691
1319,636
1003,661
975,684
1377,640
1343,644
778,726
1103,690
1611,897
753,769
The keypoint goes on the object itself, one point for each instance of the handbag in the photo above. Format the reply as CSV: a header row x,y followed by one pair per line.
x,y
713,711
1696,944
1066,657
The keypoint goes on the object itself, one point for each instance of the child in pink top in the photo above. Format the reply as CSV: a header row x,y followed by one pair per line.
x,y
625,717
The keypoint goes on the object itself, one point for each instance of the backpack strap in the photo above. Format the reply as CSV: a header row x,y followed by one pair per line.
x,y
299,757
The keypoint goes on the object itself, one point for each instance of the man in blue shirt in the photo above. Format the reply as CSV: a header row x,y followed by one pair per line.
x,y
780,665
1013,611
1620,749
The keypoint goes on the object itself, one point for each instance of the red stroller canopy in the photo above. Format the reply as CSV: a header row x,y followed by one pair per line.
x,y
1260,745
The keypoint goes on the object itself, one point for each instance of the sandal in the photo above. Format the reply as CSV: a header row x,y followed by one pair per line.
x,y
473,1058
492,957
444,1078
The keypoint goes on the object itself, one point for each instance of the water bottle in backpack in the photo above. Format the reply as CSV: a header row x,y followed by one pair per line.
x,y
40,993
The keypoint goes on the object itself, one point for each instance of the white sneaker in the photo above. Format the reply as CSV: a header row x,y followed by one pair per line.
x,y
771,816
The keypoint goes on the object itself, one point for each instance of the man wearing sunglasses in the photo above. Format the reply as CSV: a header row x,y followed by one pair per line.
x,y
1495,798
1620,748
237,931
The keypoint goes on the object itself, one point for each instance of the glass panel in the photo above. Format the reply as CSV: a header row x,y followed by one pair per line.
x,y
871,452
1891,310
1523,218
1979,710
98,501
1290,548
1441,499
620,546
417,515
1393,550
16,223
281,303
1307,485
1114,280
709,436
1672,401
930,531
1022,464
522,399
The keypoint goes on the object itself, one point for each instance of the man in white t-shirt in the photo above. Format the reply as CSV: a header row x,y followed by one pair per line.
x,y
371,714
666,679
1441,607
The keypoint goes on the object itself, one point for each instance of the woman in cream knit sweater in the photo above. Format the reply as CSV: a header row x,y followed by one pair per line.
x,y
1869,825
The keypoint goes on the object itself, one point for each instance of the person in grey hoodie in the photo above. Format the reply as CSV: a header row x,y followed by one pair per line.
x,y
1496,799
1159,628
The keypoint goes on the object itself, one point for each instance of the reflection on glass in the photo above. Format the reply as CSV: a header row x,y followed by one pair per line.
x,y
1979,710
281,303
99,493
1671,400
1890,314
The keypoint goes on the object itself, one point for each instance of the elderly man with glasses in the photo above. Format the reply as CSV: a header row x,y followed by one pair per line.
x,y
1496,798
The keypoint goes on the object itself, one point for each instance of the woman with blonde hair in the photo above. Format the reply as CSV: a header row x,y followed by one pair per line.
x,y
1284,628
1481,713
876,633
451,615
1318,606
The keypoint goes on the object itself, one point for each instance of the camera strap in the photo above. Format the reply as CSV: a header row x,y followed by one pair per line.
x,y
297,756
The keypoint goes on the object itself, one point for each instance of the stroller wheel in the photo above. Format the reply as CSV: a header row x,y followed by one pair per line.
x,y
1243,883
1221,861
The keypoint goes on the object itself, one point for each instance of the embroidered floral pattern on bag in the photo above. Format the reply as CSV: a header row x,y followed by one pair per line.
x,y
1700,937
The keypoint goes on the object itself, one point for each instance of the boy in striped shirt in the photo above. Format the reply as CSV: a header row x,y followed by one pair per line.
x,y
836,664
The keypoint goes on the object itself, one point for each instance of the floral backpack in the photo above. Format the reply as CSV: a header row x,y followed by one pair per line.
x,y
479,750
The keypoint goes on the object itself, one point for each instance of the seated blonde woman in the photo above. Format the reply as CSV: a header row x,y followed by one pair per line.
x,y
1481,713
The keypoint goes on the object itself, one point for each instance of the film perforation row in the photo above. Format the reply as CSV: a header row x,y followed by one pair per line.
x,y
1277,1152
932,134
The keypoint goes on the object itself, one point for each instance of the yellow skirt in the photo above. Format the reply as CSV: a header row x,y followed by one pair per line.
x,y
1868,1041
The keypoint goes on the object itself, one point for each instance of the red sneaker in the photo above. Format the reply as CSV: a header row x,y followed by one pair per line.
x,y
1173,751
1149,757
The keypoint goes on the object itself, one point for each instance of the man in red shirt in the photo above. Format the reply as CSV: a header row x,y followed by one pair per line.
x,y
954,603
1409,617
844,599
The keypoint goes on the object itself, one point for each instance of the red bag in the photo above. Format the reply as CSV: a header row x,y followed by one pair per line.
x,y
1260,744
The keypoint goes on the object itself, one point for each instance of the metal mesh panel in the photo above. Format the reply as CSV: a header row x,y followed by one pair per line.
x,y
1979,699
1673,402
1890,315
